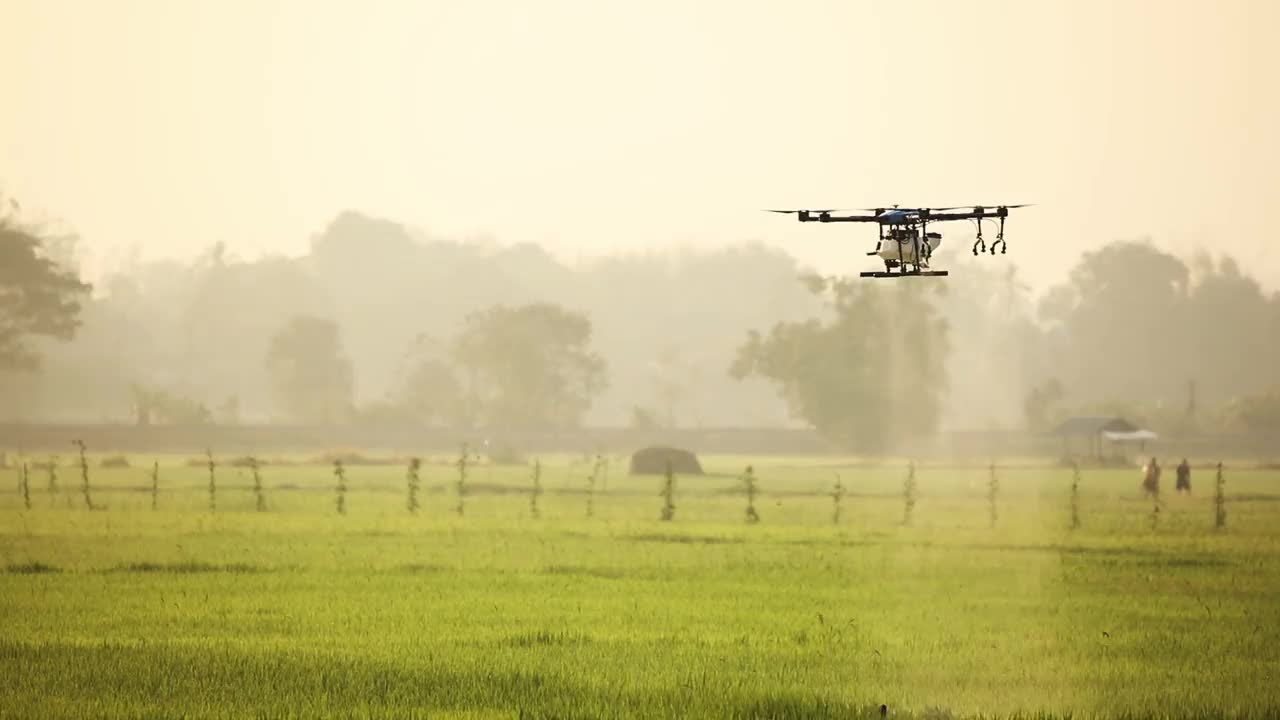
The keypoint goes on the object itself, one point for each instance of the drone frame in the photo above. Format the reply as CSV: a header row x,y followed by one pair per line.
x,y
910,219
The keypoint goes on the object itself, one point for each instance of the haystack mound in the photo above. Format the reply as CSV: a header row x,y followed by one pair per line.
x,y
653,461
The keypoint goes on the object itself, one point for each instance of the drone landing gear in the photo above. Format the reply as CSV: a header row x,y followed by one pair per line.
x,y
980,243
999,239
905,273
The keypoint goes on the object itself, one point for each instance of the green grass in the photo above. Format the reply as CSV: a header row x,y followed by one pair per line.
x,y
300,612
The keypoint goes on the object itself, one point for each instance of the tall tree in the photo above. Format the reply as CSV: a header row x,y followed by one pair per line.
x,y
1137,330
430,391
38,296
994,357
529,366
310,371
1115,327
872,373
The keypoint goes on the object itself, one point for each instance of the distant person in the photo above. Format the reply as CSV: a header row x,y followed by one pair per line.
x,y
1184,476
1151,478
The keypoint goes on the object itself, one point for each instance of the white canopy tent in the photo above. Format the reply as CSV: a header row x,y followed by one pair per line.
x,y
1138,437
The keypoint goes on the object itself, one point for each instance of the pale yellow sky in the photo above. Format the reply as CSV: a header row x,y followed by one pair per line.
x,y
596,126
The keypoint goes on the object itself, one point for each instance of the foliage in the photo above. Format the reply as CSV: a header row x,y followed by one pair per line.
x,y
52,468
38,296
644,419
909,494
155,405
1220,500
591,495
993,493
340,498
536,491
505,454
463,463
414,482
870,376
1184,333
668,494
84,475
312,376
528,366
1041,403
837,495
433,394
24,487
1133,325
597,472
1075,496
259,493
749,485
213,480
1260,412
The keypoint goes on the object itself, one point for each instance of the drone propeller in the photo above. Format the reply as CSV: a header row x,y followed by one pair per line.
x,y
969,207
881,210
793,212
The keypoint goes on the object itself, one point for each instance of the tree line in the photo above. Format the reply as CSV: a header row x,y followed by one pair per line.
x,y
379,323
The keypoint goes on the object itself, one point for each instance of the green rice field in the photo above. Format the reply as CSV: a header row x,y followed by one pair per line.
x,y
295,610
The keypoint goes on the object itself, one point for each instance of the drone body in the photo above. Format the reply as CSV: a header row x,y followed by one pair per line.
x,y
905,241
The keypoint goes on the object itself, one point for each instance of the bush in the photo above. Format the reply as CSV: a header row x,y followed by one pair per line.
x,y
506,455
244,461
656,460
352,458
115,461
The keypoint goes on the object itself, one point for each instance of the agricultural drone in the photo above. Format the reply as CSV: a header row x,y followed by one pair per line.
x,y
905,242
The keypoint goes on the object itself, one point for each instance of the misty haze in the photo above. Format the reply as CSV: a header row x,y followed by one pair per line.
x,y
406,359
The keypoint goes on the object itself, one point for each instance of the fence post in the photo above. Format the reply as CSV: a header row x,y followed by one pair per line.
x,y
25,486
909,493
1075,495
993,489
669,494
1220,501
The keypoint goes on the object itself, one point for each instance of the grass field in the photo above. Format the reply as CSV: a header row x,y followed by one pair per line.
x,y
301,612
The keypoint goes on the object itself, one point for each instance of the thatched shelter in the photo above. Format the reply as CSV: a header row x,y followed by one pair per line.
x,y
1093,430
653,461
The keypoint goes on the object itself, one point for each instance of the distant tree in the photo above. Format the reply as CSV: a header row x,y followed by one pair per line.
x,y
38,296
428,391
1116,328
1260,412
155,405
672,381
1134,325
1231,345
1041,402
233,303
873,373
644,419
433,395
528,366
995,357
310,372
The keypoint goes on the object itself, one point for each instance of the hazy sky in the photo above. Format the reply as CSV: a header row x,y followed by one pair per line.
x,y
594,126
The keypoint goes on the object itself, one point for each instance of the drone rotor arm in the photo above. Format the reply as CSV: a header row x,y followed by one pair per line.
x,y
825,215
